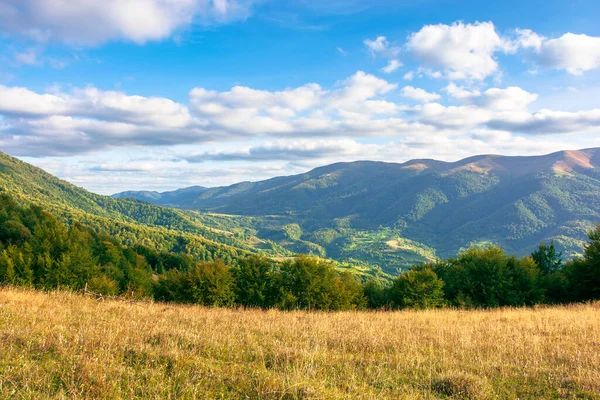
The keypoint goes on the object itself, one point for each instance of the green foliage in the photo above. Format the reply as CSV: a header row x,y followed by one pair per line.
x,y
512,202
310,282
584,274
377,293
210,284
418,288
254,282
104,285
547,259
53,234
489,278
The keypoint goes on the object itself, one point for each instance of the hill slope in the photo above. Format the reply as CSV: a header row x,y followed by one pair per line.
x,y
204,237
429,207
131,221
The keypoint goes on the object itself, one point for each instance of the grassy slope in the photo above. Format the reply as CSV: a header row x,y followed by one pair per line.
x,y
59,344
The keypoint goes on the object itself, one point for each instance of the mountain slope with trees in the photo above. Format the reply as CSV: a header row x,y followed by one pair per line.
x,y
136,223
426,208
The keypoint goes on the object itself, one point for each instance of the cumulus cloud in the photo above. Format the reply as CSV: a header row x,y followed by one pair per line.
x,y
419,94
85,120
91,102
572,53
92,22
469,51
459,51
89,119
451,117
307,110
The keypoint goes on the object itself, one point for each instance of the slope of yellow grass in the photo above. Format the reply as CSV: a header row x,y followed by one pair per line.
x,y
64,345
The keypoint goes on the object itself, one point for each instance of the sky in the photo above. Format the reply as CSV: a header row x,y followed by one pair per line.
x,y
117,95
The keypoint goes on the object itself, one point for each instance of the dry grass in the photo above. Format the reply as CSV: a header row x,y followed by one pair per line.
x,y
64,345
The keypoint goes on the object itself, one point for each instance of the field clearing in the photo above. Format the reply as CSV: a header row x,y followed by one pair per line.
x,y
59,344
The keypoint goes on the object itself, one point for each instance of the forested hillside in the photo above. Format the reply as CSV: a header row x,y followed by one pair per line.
x,y
131,222
395,214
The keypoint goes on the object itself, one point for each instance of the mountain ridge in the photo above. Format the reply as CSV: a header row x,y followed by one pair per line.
x,y
512,201
417,164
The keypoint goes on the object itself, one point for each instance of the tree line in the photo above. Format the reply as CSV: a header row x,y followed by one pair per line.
x,y
37,250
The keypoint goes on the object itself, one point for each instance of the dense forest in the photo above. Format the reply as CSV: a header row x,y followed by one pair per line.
x,y
38,250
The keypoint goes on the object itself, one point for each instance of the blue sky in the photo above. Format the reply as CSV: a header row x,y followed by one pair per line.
x,y
160,94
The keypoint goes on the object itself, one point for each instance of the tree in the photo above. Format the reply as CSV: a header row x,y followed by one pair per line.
x,y
418,289
376,293
210,284
489,278
547,259
312,283
7,268
253,281
584,274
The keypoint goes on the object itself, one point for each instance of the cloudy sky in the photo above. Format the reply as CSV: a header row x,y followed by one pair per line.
x,y
161,94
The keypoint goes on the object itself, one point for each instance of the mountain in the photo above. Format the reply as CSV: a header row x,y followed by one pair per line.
x,y
162,198
132,222
425,207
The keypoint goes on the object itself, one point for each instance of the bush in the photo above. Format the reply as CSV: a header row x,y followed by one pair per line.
x,y
102,284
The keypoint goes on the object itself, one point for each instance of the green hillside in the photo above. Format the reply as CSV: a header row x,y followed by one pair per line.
x,y
130,221
391,215
133,222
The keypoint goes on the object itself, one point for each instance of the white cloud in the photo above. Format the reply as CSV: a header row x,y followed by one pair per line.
x,y
549,122
528,39
419,94
511,98
452,117
85,120
285,149
391,67
92,22
409,76
459,92
459,51
94,103
572,53
381,47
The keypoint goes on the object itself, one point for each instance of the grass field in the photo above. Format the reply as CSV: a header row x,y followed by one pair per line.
x,y
61,345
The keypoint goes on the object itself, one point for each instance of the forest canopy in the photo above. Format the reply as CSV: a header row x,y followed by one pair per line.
x,y
38,250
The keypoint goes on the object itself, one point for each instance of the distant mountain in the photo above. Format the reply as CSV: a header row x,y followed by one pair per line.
x,y
162,198
515,202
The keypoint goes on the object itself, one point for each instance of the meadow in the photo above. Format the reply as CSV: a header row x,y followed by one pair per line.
x,y
64,345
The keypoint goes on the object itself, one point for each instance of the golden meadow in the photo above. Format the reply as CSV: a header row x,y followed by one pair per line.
x,y
64,345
